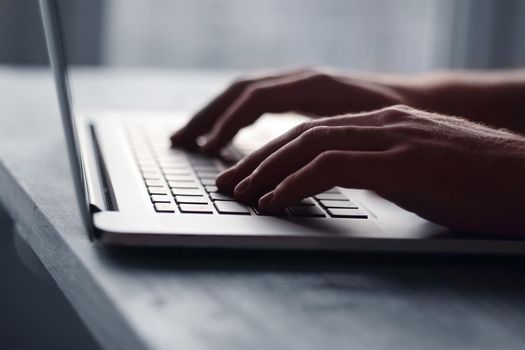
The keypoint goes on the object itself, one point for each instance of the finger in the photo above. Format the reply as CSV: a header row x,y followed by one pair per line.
x,y
363,170
231,177
303,149
274,96
204,120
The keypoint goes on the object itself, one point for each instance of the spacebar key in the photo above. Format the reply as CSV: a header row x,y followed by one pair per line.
x,y
229,207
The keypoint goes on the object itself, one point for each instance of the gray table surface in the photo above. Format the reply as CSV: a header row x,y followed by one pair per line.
x,y
168,298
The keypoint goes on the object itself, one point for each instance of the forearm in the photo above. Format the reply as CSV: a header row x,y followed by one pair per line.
x,y
494,98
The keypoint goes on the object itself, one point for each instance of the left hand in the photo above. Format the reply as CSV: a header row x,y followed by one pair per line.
x,y
451,171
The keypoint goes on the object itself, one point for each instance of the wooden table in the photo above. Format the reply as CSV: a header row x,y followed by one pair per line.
x,y
180,299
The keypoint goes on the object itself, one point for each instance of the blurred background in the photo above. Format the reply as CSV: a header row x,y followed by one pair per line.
x,y
379,35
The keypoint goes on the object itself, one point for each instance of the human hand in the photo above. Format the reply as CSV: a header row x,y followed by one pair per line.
x,y
309,92
451,171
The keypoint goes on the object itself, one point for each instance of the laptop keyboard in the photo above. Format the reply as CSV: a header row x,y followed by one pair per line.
x,y
181,182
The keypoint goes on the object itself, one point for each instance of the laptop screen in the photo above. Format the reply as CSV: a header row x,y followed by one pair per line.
x,y
50,10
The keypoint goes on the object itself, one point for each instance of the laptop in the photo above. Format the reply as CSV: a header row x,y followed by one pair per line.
x,y
133,189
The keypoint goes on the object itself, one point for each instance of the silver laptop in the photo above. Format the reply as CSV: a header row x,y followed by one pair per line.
x,y
134,189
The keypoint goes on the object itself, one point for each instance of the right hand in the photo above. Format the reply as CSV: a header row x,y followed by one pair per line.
x,y
309,92
448,170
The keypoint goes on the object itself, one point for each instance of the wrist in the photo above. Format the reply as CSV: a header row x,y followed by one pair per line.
x,y
513,190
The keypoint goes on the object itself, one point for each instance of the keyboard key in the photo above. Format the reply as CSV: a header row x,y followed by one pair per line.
x,y
331,196
180,178
181,184
221,197
158,190
207,175
201,161
178,174
306,201
196,208
211,189
173,167
332,190
208,182
148,169
174,171
186,192
338,204
229,207
170,160
165,207
159,146
346,213
191,199
306,211
154,183
170,155
273,213
152,175
199,168
160,198
150,163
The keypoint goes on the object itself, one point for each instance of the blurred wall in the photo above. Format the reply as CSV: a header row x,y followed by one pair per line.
x,y
401,35
488,34
383,35
22,37
20,32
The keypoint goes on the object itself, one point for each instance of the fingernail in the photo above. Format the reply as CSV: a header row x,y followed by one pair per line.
x,y
265,200
243,186
206,142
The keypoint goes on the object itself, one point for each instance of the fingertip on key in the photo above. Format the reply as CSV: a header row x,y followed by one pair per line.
x,y
225,179
177,138
207,146
265,202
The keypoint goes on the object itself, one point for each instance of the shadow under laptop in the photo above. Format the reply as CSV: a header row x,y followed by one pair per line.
x,y
485,274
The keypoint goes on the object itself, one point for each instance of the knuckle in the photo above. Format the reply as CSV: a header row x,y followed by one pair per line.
x,y
283,189
245,83
396,114
256,91
240,83
326,160
301,128
289,180
250,92
310,70
315,133
251,160
321,78
413,131
401,108
251,96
